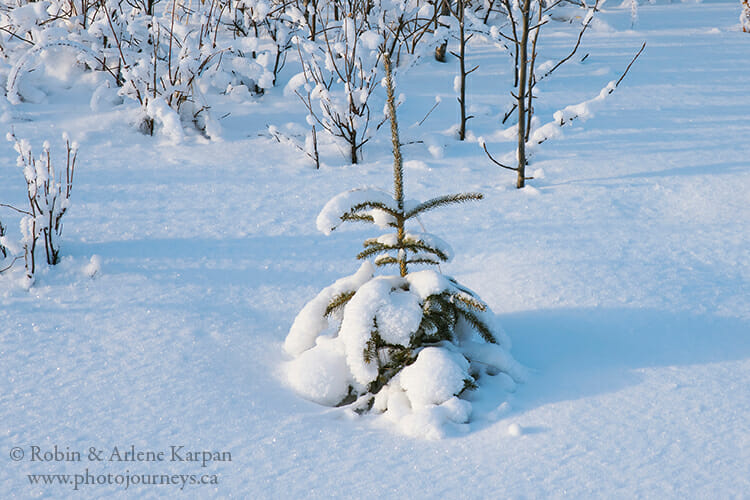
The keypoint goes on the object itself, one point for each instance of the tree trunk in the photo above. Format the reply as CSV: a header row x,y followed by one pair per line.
x,y
523,63
353,146
462,69
441,49
398,166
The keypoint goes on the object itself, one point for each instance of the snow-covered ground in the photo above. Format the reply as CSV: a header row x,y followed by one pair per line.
x,y
622,275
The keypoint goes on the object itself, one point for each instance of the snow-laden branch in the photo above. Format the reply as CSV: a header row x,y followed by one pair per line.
x,y
312,321
581,111
334,212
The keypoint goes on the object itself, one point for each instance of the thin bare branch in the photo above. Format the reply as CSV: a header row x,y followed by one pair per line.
x,y
16,209
638,54
484,146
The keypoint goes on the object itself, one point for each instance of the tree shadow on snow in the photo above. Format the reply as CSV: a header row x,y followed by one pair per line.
x,y
578,353
234,260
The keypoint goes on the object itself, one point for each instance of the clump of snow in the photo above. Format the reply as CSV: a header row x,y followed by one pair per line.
x,y
496,356
416,165
94,266
104,97
399,317
436,376
357,325
427,282
433,422
162,113
321,374
311,320
15,92
381,218
515,430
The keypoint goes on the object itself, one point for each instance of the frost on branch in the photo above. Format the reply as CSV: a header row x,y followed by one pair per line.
x,y
406,345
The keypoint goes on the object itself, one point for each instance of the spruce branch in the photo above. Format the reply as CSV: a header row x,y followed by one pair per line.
x,y
338,302
469,302
442,201
469,385
367,205
416,246
478,325
354,217
423,260
373,249
384,260
438,323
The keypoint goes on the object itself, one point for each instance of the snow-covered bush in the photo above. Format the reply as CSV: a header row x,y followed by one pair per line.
x,y
341,60
164,55
48,192
407,345
339,74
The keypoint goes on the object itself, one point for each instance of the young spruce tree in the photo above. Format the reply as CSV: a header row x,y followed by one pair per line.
x,y
395,343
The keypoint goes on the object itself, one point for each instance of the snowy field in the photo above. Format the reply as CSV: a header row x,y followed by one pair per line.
x,y
621,274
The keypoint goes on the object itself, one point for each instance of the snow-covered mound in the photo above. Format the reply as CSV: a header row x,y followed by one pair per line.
x,y
346,356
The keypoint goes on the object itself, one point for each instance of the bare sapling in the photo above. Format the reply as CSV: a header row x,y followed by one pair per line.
x,y
527,19
463,73
48,192
341,73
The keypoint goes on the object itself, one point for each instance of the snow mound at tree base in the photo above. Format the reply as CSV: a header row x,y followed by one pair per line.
x,y
407,348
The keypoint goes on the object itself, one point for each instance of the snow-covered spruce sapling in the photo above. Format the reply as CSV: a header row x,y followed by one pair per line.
x,y
403,344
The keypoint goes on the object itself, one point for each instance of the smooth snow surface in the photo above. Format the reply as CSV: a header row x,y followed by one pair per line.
x,y
622,277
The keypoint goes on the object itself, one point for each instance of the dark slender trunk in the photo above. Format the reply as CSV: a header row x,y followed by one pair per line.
x,y
462,68
441,49
521,96
353,147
